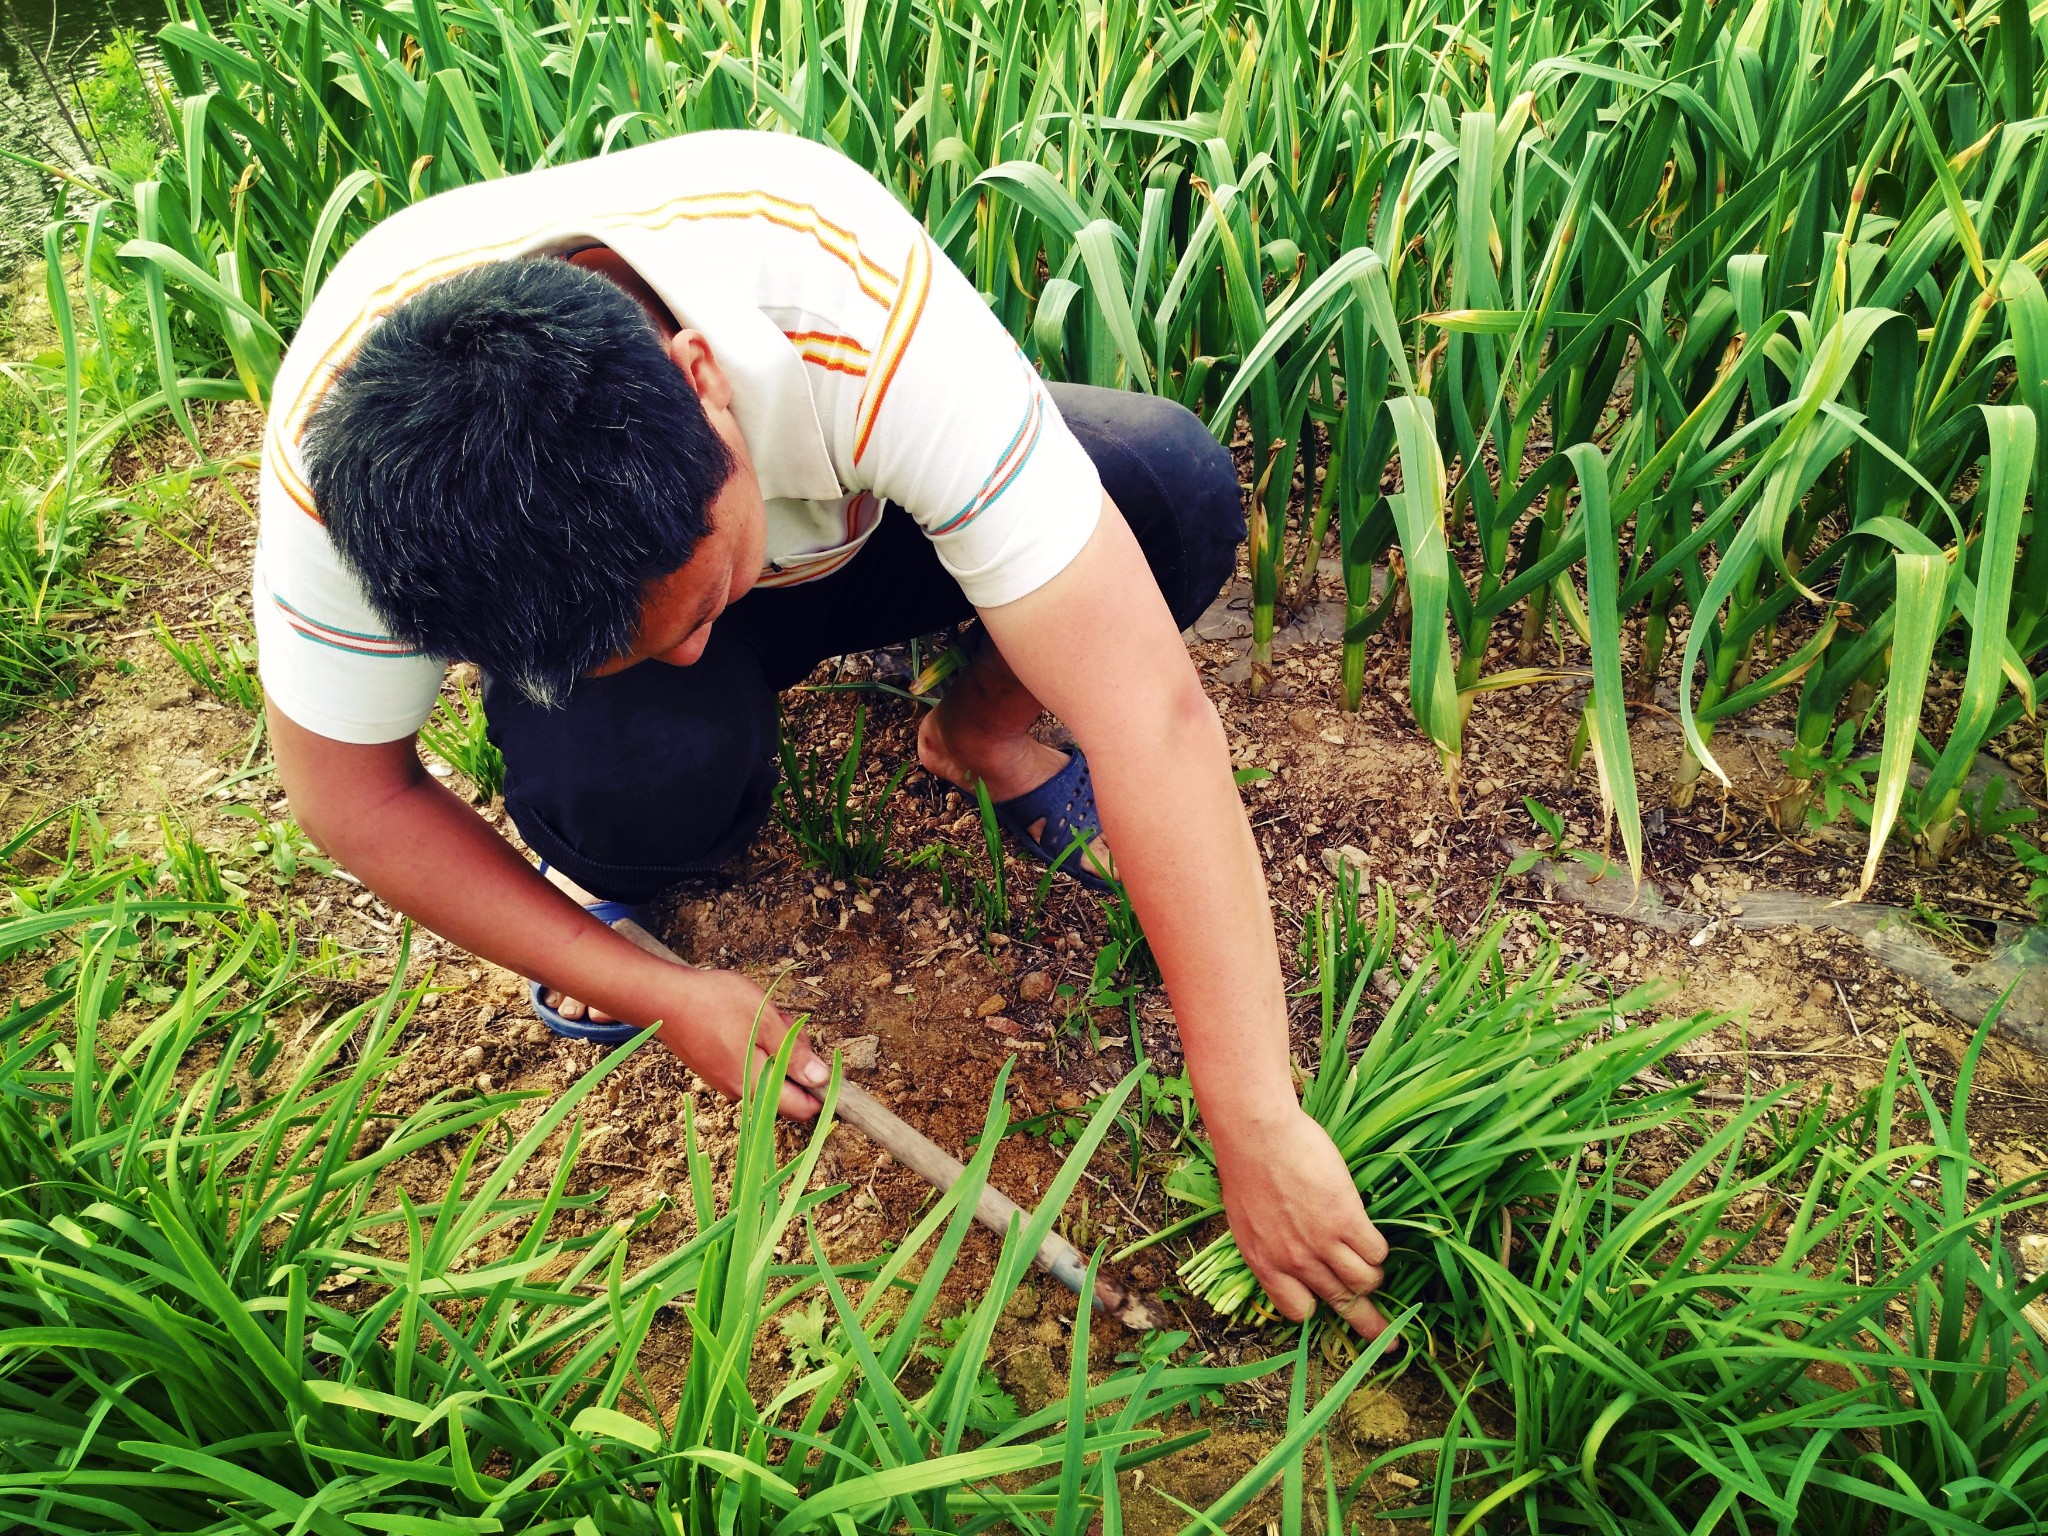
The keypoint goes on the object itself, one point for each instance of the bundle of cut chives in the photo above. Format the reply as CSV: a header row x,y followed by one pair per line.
x,y
1465,1099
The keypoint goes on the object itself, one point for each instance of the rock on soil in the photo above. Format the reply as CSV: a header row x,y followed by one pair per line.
x,y
1375,1417
860,1053
1033,1377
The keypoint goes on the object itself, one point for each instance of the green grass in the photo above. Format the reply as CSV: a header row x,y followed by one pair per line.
x,y
223,667
1811,1323
459,735
1648,1316
1700,330
44,586
221,1309
1340,934
220,1305
78,375
838,831
114,104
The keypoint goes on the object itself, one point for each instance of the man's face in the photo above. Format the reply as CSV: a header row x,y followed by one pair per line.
x,y
680,608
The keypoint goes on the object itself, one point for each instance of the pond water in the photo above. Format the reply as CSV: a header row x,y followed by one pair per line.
x,y
65,34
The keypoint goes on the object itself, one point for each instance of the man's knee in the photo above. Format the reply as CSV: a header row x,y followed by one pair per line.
x,y
632,831
1174,482
1209,502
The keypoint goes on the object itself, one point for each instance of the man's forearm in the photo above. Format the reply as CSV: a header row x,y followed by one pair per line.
x,y
1178,832
1170,810
433,858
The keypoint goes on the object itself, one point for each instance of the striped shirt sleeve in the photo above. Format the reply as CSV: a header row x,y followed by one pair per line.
x,y
955,426
326,660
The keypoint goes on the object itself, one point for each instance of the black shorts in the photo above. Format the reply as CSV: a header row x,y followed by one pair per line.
x,y
660,772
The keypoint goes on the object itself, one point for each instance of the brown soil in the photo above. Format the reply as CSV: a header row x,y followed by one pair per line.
x,y
1810,1006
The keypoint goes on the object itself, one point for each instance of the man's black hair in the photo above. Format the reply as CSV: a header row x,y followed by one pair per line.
x,y
507,461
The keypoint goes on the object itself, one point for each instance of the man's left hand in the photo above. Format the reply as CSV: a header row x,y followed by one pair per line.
x,y
1299,1222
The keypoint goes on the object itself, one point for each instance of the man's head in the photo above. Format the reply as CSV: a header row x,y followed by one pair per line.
x,y
525,473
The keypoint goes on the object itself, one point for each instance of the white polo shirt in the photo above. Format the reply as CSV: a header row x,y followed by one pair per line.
x,y
864,368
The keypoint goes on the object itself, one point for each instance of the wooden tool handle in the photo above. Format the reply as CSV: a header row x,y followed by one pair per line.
x,y
938,1167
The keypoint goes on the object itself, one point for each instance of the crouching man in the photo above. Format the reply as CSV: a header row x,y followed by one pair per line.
x,y
646,438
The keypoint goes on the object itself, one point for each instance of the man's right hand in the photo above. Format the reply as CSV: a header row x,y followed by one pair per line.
x,y
711,1024
708,1026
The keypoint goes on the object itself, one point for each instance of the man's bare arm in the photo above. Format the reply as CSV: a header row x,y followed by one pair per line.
x,y
1098,647
377,811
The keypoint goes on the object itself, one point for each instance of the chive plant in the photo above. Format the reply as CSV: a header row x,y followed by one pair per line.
x,y
222,1308
836,831
224,667
459,734
1811,1322
1794,1316
1696,334
1463,1100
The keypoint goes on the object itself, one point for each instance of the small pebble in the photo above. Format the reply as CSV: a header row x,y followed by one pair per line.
x,y
1334,859
860,1053
1035,987
990,1006
1375,1417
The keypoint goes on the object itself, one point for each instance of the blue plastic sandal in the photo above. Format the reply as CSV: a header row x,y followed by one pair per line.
x,y
1066,803
606,912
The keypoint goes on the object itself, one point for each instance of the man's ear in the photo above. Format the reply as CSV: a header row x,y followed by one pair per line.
x,y
689,351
